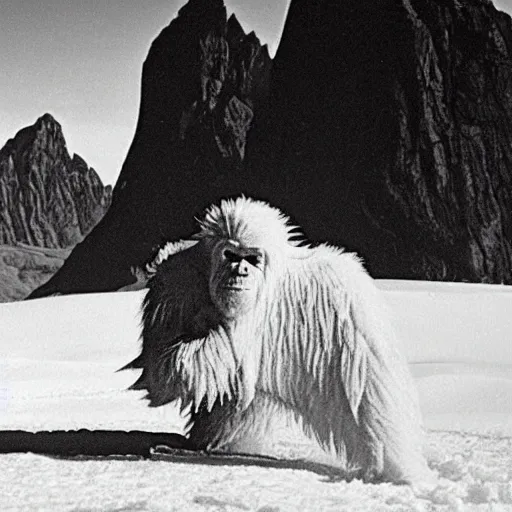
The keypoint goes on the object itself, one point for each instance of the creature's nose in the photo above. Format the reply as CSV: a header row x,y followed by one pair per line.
x,y
242,268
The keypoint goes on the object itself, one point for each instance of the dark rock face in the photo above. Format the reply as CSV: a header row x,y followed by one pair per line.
x,y
47,198
388,131
201,82
454,180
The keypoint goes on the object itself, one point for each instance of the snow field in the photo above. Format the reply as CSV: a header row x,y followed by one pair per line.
x,y
58,358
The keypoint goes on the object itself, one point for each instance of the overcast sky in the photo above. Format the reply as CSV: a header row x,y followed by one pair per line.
x,y
81,61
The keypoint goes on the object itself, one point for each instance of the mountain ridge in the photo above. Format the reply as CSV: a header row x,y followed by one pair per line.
x,y
382,127
49,201
47,198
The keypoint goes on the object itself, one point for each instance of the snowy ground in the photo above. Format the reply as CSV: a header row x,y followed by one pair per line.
x,y
58,358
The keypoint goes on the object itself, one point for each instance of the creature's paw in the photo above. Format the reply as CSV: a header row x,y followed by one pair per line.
x,y
374,468
371,475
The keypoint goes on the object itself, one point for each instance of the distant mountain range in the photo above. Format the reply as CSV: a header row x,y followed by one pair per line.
x,y
49,201
384,127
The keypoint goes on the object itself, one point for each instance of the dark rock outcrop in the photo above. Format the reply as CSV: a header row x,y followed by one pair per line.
x,y
201,83
47,198
387,130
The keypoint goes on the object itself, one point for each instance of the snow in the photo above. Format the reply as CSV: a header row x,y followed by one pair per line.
x,y
458,340
58,362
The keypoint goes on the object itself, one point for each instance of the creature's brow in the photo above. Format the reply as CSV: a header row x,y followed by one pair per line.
x,y
252,251
242,250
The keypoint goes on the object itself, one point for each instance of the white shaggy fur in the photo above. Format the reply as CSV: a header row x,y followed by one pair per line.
x,y
319,344
165,252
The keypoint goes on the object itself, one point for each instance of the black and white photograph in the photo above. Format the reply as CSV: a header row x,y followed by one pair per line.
x,y
256,255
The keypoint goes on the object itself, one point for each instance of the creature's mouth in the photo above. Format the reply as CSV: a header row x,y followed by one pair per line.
x,y
235,284
235,287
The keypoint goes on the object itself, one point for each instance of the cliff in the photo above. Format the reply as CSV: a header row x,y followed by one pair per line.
x,y
390,125
47,198
384,127
201,83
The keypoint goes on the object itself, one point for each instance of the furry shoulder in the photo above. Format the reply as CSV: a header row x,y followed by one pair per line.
x,y
177,290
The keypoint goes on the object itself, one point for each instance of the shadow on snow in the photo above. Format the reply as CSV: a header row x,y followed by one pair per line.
x,y
132,445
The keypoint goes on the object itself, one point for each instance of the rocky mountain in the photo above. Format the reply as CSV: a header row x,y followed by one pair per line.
x,y
390,124
49,201
202,81
384,127
47,198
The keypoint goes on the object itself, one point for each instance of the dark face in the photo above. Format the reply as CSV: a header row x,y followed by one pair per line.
x,y
236,278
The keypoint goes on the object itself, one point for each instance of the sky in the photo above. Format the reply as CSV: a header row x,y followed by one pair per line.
x,y
503,5
81,61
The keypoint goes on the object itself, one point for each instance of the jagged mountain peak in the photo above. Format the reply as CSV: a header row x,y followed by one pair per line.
x,y
48,120
47,124
201,7
202,80
235,26
45,131
47,198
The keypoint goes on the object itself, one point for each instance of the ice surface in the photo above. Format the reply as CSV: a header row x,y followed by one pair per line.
x,y
58,358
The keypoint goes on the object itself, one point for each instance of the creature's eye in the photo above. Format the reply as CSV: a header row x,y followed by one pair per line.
x,y
231,256
253,260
